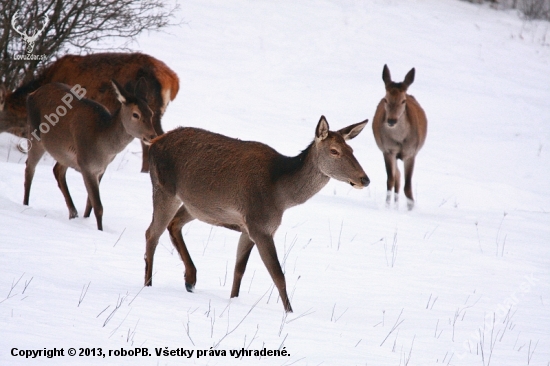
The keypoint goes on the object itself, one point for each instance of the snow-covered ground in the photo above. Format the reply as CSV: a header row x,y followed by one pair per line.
x,y
463,279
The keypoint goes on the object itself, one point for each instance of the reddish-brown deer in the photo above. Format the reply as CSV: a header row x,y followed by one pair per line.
x,y
241,185
83,135
400,128
94,73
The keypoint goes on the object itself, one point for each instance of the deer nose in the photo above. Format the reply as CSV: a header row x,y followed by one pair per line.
x,y
365,181
392,121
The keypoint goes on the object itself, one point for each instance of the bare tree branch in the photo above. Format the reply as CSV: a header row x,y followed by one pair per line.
x,y
80,26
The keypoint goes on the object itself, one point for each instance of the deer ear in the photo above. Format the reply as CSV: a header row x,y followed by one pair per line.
x,y
140,90
321,132
352,130
119,91
3,93
386,76
409,78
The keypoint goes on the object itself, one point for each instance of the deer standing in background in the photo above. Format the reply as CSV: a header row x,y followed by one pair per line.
x,y
241,185
94,73
86,137
400,128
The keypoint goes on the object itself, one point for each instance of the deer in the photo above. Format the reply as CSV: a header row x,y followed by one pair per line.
x,y
94,72
400,127
80,133
241,185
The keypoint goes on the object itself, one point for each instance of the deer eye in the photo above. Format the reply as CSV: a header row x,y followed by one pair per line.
x,y
403,102
334,152
135,115
385,100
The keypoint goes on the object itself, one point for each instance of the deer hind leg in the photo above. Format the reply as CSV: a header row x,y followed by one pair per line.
x,y
165,207
181,218
394,176
34,156
60,173
268,253
243,253
409,168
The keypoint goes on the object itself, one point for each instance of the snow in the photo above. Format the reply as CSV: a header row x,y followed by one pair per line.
x,y
463,279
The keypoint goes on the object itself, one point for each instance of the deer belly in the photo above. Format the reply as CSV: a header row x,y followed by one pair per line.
x,y
64,154
217,216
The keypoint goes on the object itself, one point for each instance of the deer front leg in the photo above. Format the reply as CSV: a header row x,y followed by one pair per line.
x,y
165,207
91,181
88,209
268,253
394,177
409,168
243,253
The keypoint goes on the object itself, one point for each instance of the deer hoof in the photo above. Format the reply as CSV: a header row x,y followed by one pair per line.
x,y
73,215
189,287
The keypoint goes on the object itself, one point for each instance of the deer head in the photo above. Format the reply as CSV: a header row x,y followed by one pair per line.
x,y
336,159
135,114
396,95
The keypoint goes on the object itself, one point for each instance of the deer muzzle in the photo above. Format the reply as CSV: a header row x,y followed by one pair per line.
x,y
392,121
362,183
147,140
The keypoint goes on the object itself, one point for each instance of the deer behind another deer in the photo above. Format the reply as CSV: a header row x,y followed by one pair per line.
x,y
86,137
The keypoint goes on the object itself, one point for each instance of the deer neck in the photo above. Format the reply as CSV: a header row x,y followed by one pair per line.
x,y
400,131
116,137
301,178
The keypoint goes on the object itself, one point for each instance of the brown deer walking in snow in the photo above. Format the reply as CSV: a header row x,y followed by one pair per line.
x,y
81,134
241,185
94,73
400,128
